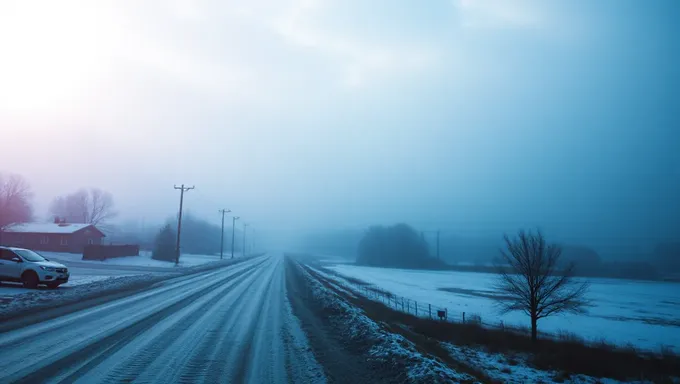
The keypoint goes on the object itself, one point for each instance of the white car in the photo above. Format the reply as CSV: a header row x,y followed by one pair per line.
x,y
30,268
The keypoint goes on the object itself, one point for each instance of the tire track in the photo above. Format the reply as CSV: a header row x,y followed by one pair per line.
x,y
114,341
23,336
234,349
144,358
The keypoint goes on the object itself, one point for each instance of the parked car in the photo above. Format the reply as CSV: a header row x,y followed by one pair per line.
x,y
30,268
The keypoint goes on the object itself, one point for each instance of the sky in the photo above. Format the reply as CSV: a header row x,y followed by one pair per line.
x,y
475,116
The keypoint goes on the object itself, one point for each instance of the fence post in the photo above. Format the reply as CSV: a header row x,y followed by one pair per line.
x,y
402,304
416,309
429,309
463,317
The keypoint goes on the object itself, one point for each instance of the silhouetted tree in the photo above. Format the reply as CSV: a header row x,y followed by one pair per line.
x,y
165,244
395,246
93,206
15,205
532,282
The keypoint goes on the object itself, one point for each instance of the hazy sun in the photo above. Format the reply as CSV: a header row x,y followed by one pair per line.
x,y
50,51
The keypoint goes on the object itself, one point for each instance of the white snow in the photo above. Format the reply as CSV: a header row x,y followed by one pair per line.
x,y
388,347
47,228
143,260
643,313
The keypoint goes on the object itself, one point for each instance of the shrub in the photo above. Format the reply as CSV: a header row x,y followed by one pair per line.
x,y
164,245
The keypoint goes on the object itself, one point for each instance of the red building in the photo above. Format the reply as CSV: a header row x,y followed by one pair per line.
x,y
52,237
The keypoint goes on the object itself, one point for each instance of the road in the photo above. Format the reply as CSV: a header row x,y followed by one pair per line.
x,y
231,324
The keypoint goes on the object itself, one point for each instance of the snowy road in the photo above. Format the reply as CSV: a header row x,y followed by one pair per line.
x,y
232,324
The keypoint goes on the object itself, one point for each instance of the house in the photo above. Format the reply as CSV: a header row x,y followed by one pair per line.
x,y
52,237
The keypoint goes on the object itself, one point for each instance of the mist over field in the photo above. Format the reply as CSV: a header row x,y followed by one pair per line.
x,y
474,118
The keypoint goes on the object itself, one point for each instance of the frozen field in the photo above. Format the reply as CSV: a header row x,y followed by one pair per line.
x,y
646,314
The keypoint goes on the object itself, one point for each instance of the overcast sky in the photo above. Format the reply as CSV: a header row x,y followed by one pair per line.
x,y
472,115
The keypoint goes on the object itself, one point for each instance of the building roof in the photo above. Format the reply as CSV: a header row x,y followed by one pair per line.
x,y
63,228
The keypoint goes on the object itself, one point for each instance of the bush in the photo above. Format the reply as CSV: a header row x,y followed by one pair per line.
x,y
165,243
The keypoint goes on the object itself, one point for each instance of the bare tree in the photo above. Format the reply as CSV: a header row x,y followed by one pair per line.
x,y
15,196
100,206
532,282
93,206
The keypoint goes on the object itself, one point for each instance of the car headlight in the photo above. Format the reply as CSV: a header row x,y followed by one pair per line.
x,y
48,269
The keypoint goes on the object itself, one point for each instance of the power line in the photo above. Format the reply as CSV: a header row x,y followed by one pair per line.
x,y
179,219
223,212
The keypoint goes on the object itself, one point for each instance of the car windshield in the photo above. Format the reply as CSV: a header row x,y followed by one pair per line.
x,y
30,255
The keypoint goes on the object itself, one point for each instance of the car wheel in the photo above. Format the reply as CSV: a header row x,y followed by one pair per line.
x,y
52,285
30,280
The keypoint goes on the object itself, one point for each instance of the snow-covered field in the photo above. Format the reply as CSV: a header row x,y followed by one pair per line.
x,y
143,260
646,314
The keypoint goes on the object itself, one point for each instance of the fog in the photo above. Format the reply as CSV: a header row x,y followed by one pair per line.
x,y
473,117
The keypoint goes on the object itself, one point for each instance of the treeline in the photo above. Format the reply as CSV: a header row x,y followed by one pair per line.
x,y
396,246
199,236
85,205
402,246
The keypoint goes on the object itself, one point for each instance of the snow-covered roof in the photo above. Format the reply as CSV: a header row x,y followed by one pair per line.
x,y
64,228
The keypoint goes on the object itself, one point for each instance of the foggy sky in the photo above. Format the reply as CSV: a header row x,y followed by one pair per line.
x,y
477,116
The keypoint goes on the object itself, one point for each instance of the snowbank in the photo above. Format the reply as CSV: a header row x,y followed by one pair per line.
x,y
388,348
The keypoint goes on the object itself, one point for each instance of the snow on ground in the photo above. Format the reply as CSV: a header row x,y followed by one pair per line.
x,y
13,289
308,368
390,348
143,260
66,294
90,271
514,369
643,313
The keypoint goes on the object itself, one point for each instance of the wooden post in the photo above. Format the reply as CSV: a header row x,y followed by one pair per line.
x,y
416,309
429,309
463,317
402,304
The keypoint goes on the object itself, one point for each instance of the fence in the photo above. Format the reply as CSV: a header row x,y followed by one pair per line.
x,y
103,252
412,307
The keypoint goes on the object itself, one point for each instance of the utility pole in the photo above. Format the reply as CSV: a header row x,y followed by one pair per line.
x,y
233,230
244,238
223,212
179,219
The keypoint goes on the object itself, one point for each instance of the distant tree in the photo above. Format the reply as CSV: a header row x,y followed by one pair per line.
x,y
667,256
531,281
200,236
395,246
91,206
15,204
165,244
585,259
